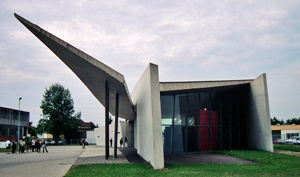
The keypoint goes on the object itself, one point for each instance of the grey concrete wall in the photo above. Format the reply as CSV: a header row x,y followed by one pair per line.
x,y
127,130
146,99
135,133
259,126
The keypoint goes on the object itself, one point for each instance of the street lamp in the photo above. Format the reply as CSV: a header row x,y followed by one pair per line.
x,y
43,125
44,121
19,121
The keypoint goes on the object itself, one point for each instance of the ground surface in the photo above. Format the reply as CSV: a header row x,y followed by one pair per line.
x,y
60,159
56,162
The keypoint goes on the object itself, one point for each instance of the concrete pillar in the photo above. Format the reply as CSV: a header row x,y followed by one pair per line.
x,y
106,120
116,126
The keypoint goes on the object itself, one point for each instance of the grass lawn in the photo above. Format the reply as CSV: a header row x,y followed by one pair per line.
x,y
270,164
294,148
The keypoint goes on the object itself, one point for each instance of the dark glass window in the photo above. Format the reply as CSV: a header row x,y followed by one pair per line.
x,y
204,121
178,143
167,106
193,109
193,139
167,139
180,109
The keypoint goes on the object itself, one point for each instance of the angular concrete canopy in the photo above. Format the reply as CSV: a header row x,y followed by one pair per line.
x,y
90,71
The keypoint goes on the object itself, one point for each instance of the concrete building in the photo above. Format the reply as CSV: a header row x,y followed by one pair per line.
x,y
9,121
285,132
84,127
171,117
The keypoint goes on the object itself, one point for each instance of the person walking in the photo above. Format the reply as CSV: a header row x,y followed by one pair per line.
x,y
7,145
27,141
32,145
83,143
126,143
38,146
19,143
22,146
44,146
121,142
13,147
111,142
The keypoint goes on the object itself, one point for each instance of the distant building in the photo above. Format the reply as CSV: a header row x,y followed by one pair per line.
x,y
285,132
85,126
82,129
9,124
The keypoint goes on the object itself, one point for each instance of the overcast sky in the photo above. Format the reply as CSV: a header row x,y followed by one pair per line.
x,y
188,40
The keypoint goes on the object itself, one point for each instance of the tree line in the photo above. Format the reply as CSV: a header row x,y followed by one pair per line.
x,y
291,121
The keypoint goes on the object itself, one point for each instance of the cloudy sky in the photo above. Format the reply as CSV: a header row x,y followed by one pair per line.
x,y
189,40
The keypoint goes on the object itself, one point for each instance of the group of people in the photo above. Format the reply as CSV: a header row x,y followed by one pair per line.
x,y
26,145
121,142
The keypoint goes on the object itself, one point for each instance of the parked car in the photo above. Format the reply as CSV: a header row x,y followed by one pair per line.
x,y
47,142
281,141
276,141
52,142
61,142
288,141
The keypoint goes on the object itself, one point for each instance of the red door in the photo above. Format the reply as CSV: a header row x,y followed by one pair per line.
x,y
204,131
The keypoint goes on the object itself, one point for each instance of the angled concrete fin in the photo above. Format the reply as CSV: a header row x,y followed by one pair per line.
x,y
90,71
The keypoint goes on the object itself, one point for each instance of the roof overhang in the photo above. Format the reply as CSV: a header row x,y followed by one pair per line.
x,y
197,85
90,71
285,127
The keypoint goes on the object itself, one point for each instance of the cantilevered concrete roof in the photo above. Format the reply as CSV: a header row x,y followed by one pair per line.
x,y
90,71
178,86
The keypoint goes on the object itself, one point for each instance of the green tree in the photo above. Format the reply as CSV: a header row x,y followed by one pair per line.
x,y
294,120
42,126
276,121
58,106
32,130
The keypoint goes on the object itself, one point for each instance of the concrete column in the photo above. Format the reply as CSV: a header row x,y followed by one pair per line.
x,y
106,120
116,126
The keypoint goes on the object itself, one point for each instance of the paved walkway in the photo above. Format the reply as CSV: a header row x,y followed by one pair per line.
x,y
287,152
56,162
60,159
96,155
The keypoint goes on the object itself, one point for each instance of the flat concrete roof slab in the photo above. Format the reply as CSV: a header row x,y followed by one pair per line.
x,y
190,85
90,71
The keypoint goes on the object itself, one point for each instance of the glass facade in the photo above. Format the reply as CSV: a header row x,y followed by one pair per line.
x,y
204,121
9,121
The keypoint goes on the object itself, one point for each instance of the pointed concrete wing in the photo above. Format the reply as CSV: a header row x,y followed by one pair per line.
x,y
90,71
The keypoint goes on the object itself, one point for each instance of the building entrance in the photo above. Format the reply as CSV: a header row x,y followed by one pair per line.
x,y
203,121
